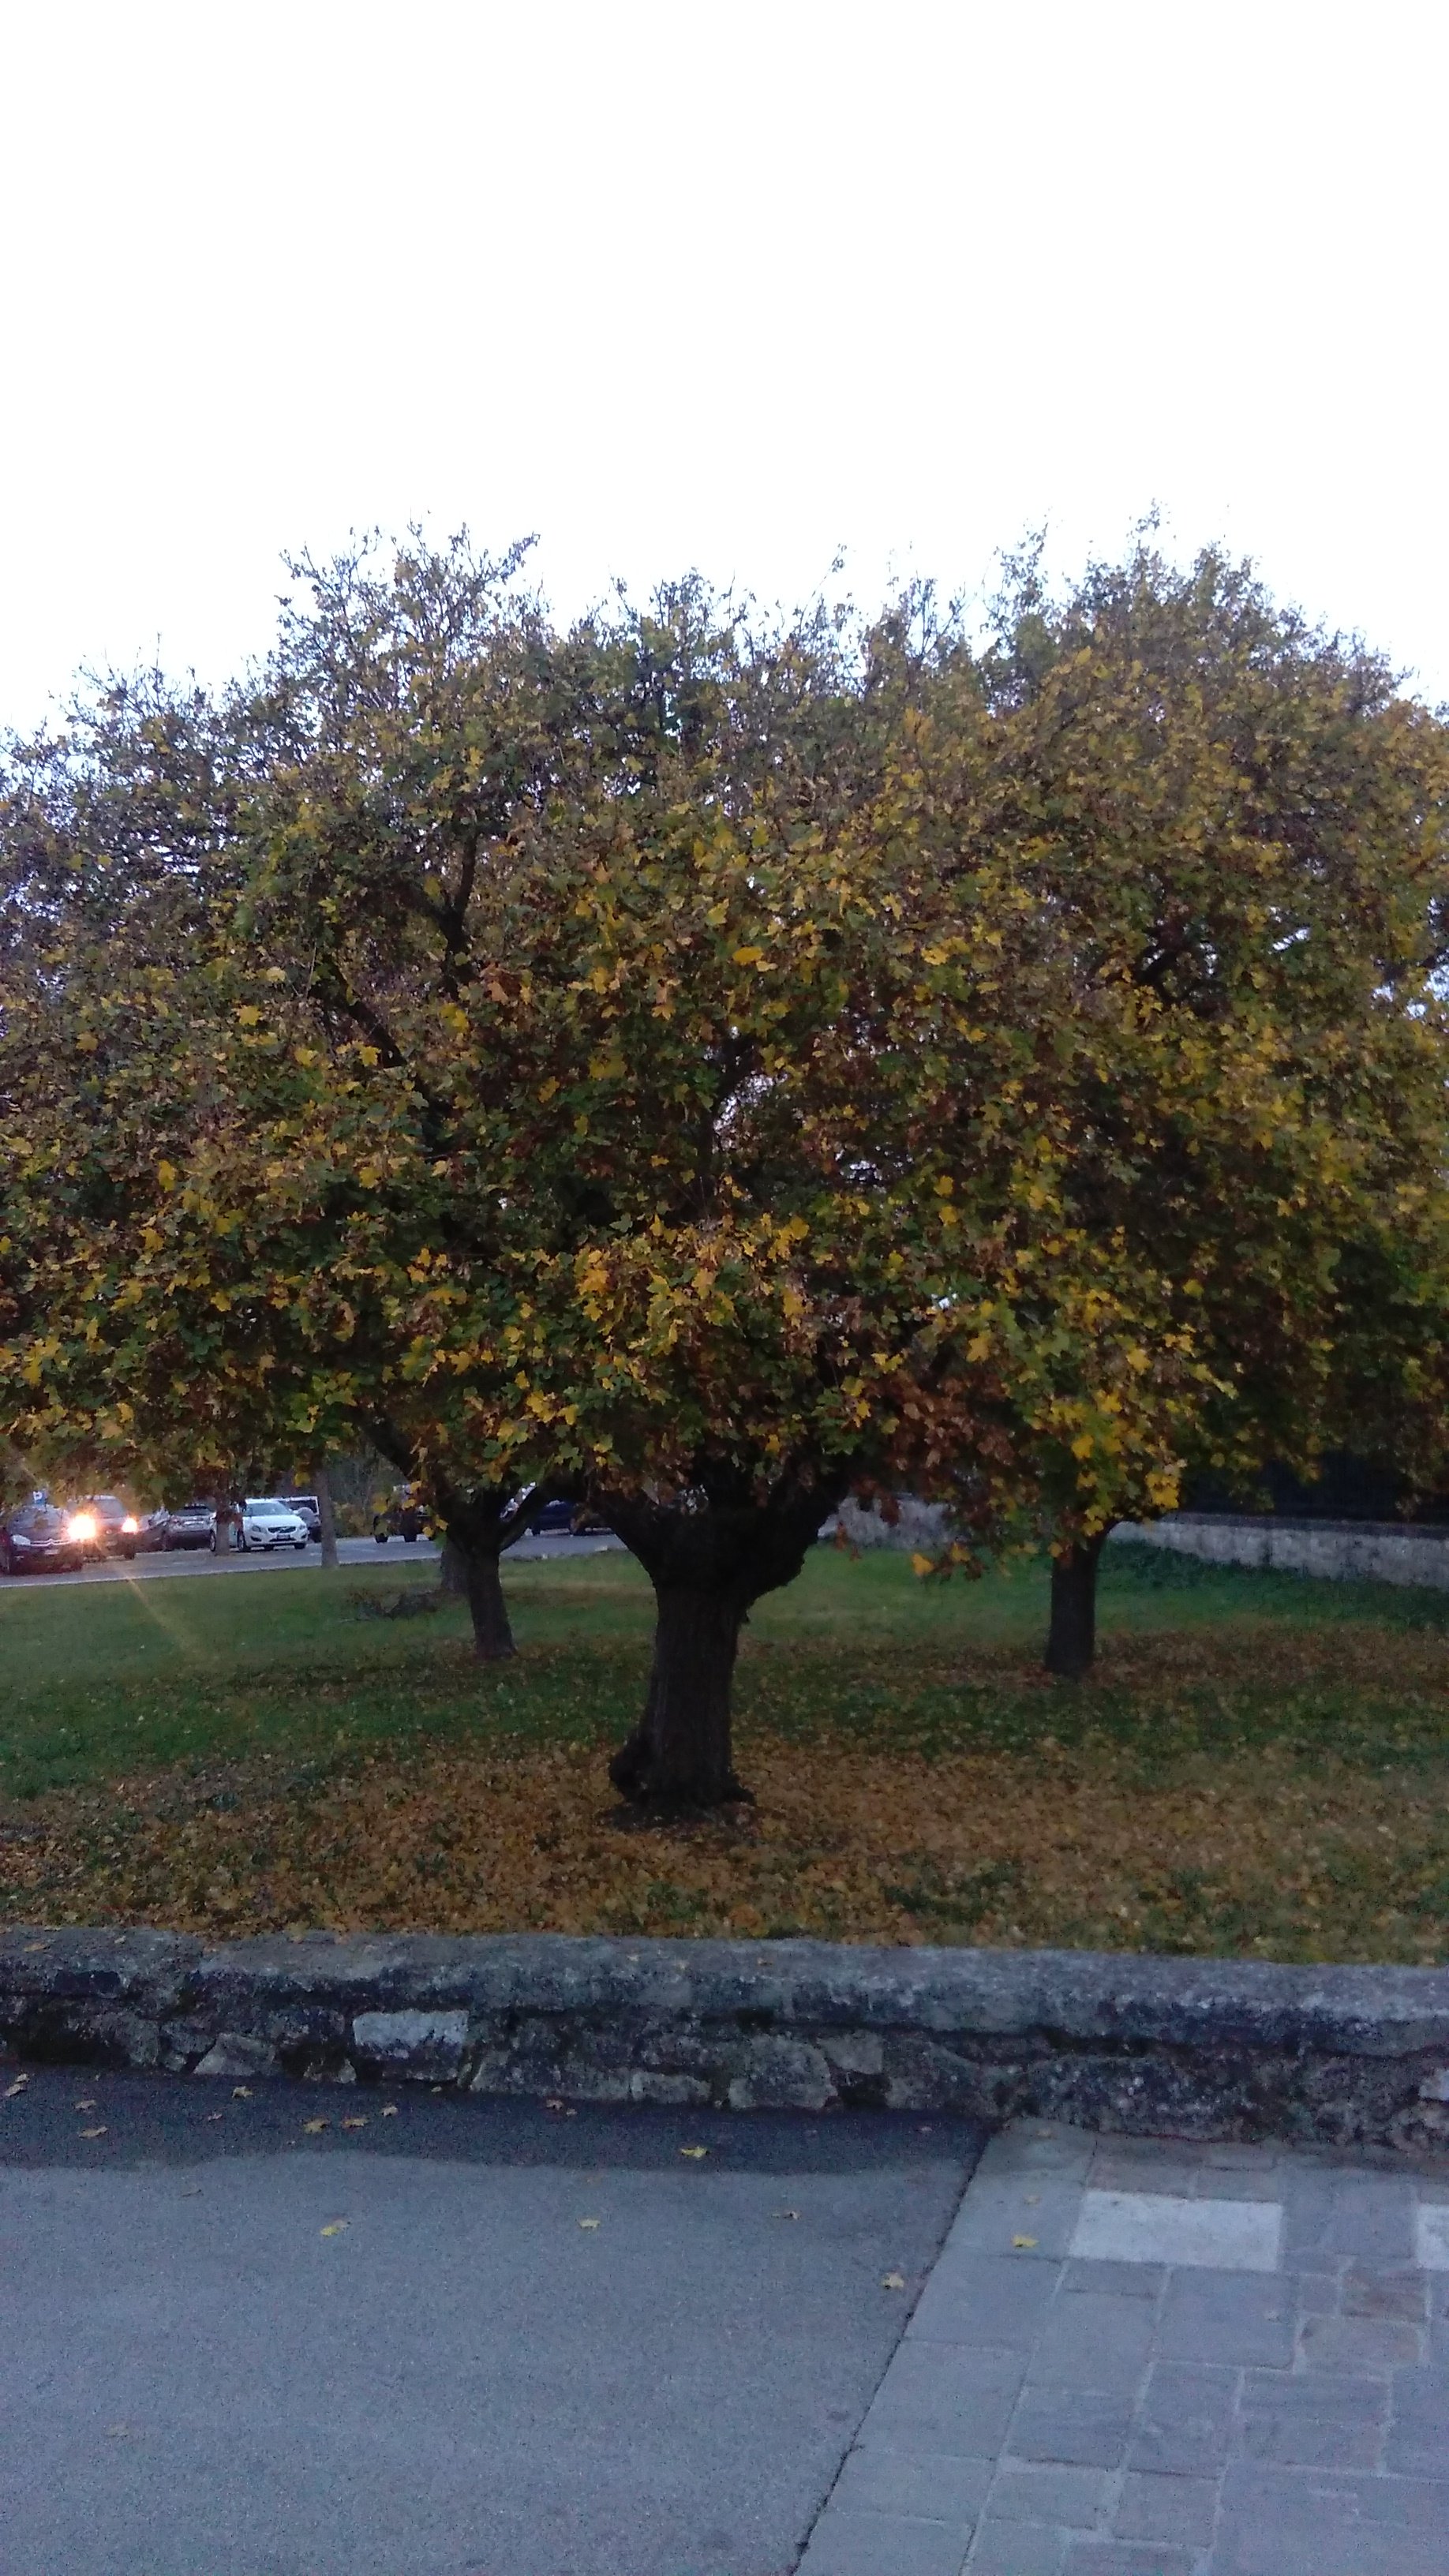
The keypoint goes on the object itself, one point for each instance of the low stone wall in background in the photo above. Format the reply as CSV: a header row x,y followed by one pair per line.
x,y
923,1526
1385,1551
1178,2047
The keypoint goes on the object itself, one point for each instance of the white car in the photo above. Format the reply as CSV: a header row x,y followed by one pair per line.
x,y
270,1524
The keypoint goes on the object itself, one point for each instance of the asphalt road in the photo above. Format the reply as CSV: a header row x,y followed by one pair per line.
x,y
350,1551
469,2339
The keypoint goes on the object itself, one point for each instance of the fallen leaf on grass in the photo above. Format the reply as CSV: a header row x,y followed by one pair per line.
x,y
17,2087
1023,2244
93,2133
389,2111
893,2280
359,2123
241,2092
313,2128
335,2226
784,2213
588,2222
32,1946
694,2151
86,2106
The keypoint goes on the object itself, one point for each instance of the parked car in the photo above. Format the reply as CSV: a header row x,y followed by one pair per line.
x,y
401,1518
307,1509
267,1523
118,1532
36,1538
152,1533
190,1525
573,1519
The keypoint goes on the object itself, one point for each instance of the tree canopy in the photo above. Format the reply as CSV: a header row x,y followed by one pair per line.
x,y
712,1062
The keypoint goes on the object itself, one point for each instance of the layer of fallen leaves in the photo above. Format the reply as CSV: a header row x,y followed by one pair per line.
x,y
1257,1850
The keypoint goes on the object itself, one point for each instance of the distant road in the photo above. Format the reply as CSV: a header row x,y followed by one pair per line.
x,y
351,1551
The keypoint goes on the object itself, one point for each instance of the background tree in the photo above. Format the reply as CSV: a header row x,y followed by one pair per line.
x,y
1240,825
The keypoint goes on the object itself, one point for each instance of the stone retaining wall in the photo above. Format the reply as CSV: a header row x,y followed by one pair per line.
x,y
1185,2047
1383,1551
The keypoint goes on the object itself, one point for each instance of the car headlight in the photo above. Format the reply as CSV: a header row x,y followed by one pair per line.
x,y
130,1526
17,1541
82,1525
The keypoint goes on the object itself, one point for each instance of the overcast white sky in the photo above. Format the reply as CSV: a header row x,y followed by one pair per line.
x,y
727,285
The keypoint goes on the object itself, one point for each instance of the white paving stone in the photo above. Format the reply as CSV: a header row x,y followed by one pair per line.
x,y
1431,2236
1155,2227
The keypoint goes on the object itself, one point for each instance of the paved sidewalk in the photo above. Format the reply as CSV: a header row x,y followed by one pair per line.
x,y
1142,2358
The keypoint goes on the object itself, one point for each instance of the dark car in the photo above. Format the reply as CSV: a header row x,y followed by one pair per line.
x,y
190,1525
118,1532
38,1539
401,1518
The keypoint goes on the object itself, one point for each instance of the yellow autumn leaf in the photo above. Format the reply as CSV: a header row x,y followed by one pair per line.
x,y
588,2223
893,2280
1023,2244
313,2128
335,2227
694,2151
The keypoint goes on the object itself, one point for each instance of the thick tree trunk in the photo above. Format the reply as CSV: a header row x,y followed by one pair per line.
x,y
1072,1634
325,1513
679,1755
708,1560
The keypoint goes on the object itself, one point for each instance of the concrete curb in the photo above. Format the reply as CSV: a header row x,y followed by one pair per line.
x,y
1187,2047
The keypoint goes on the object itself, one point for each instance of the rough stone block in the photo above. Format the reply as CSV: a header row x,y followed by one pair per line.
x,y
780,2075
1179,2510
238,2053
425,2045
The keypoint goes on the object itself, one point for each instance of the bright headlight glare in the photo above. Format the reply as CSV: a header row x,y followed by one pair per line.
x,y
82,1525
130,1525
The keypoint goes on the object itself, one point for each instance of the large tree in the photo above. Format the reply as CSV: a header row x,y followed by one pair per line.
x,y
558,1055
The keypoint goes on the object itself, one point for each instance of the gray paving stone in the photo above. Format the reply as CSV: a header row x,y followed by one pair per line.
x,y
1074,2499
882,2544
1016,2549
1081,2427
1317,2294
1094,2343
995,2299
1310,2422
1016,2213
1160,2508
1113,2280
1060,2150
1186,2424
1240,2318
930,2486
1358,2343
1385,2294
1286,2522
945,2398
1367,2215
1128,2558
1121,2167
1417,2442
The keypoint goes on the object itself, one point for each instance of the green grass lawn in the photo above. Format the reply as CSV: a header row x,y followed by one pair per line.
x,y
1217,1694
101,1680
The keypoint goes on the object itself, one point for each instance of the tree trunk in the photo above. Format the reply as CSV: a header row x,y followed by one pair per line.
x,y
679,1755
482,1586
325,1513
708,1561
1072,1635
